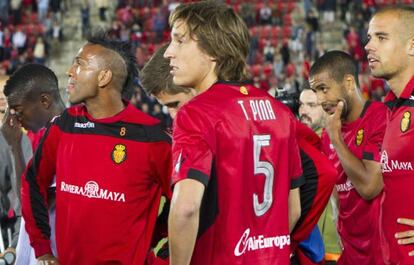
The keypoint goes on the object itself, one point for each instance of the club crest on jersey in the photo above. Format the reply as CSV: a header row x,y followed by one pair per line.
x,y
359,137
119,153
243,90
405,122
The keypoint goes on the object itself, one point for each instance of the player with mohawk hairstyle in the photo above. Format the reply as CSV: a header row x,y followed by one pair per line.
x,y
112,163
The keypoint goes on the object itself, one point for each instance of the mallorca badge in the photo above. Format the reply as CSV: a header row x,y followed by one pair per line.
x,y
119,154
359,137
405,122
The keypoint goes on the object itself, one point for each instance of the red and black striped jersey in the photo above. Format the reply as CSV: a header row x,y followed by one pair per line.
x,y
110,174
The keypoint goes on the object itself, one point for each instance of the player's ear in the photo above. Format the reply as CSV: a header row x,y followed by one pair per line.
x,y
349,83
46,100
104,78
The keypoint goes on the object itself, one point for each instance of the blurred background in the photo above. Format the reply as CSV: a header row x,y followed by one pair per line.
x,y
286,37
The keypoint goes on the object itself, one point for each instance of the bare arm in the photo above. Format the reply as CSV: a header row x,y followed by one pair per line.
x,y
183,220
365,175
294,208
47,260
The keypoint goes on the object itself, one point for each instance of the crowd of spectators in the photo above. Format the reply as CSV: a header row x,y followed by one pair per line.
x,y
26,29
285,35
286,38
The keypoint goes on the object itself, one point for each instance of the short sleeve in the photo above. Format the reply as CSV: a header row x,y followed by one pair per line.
x,y
372,148
192,155
295,167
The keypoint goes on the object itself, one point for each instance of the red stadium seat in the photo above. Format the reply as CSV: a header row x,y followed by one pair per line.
x,y
256,69
287,32
287,20
253,31
259,59
268,70
276,32
266,32
291,6
275,42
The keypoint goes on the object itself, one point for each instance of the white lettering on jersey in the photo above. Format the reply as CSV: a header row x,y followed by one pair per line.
x,y
347,186
251,243
244,110
388,165
92,190
261,110
84,125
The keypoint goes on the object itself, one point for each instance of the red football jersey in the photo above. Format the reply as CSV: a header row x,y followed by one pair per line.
x,y
358,221
241,144
398,172
320,178
109,178
35,137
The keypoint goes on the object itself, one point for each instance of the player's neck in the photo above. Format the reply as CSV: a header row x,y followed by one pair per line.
x,y
398,82
209,80
355,109
55,110
101,108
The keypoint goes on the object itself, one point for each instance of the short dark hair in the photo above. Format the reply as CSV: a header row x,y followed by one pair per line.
x,y
306,85
405,14
337,64
155,77
395,8
125,51
31,80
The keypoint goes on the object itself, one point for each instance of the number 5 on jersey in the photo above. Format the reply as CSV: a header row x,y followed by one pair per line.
x,y
265,168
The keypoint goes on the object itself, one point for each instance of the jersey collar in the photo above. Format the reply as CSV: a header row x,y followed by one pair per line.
x,y
407,92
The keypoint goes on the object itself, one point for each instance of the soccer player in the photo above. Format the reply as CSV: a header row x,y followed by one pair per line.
x,y
236,159
390,50
319,175
34,99
111,163
354,133
312,114
156,80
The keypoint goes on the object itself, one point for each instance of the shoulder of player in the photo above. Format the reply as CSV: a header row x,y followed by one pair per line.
x,y
136,116
376,111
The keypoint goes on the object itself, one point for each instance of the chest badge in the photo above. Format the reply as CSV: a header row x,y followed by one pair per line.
x,y
243,90
359,137
405,122
119,154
